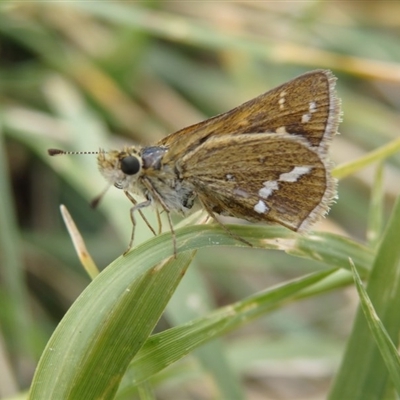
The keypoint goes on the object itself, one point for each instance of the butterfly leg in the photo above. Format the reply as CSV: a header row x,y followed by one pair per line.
x,y
137,207
159,222
134,202
156,195
171,227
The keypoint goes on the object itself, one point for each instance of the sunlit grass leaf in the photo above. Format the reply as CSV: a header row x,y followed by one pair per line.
x,y
113,317
91,348
363,374
375,217
379,154
167,347
386,347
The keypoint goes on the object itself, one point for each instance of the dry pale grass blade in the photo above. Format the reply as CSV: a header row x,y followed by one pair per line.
x,y
79,244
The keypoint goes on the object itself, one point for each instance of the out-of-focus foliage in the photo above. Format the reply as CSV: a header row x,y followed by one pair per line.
x,y
84,75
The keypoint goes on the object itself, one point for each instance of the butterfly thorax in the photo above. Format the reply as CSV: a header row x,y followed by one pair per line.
x,y
142,171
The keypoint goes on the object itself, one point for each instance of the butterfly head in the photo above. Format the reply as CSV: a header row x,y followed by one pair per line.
x,y
120,168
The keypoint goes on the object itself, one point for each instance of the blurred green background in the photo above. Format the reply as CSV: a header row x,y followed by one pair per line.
x,y
90,75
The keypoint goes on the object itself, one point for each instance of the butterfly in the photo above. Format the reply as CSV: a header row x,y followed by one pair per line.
x,y
263,161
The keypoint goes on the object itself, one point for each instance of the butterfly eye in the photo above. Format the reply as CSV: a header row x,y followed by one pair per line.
x,y
130,165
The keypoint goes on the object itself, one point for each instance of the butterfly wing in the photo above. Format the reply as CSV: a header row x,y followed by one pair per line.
x,y
261,177
306,106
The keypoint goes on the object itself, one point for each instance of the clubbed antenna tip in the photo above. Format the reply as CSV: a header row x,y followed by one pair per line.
x,y
55,152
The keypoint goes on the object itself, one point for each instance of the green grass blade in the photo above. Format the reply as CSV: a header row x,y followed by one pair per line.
x,y
378,154
386,347
91,348
192,300
15,305
167,347
363,374
112,318
375,215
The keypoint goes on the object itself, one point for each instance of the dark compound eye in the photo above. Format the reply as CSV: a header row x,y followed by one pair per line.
x,y
130,165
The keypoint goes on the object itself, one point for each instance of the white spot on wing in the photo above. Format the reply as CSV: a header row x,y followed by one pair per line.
x,y
282,100
294,174
291,176
312,107
261,207
269,187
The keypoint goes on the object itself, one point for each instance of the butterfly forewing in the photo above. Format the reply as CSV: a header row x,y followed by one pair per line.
x,y
305,106
261,177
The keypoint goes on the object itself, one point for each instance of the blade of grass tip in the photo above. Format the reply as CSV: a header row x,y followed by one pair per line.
x,y
387,348
378,154
79,244
115,315
363,374
375,215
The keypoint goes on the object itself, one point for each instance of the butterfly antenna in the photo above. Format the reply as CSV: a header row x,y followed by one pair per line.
x,y
56,152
